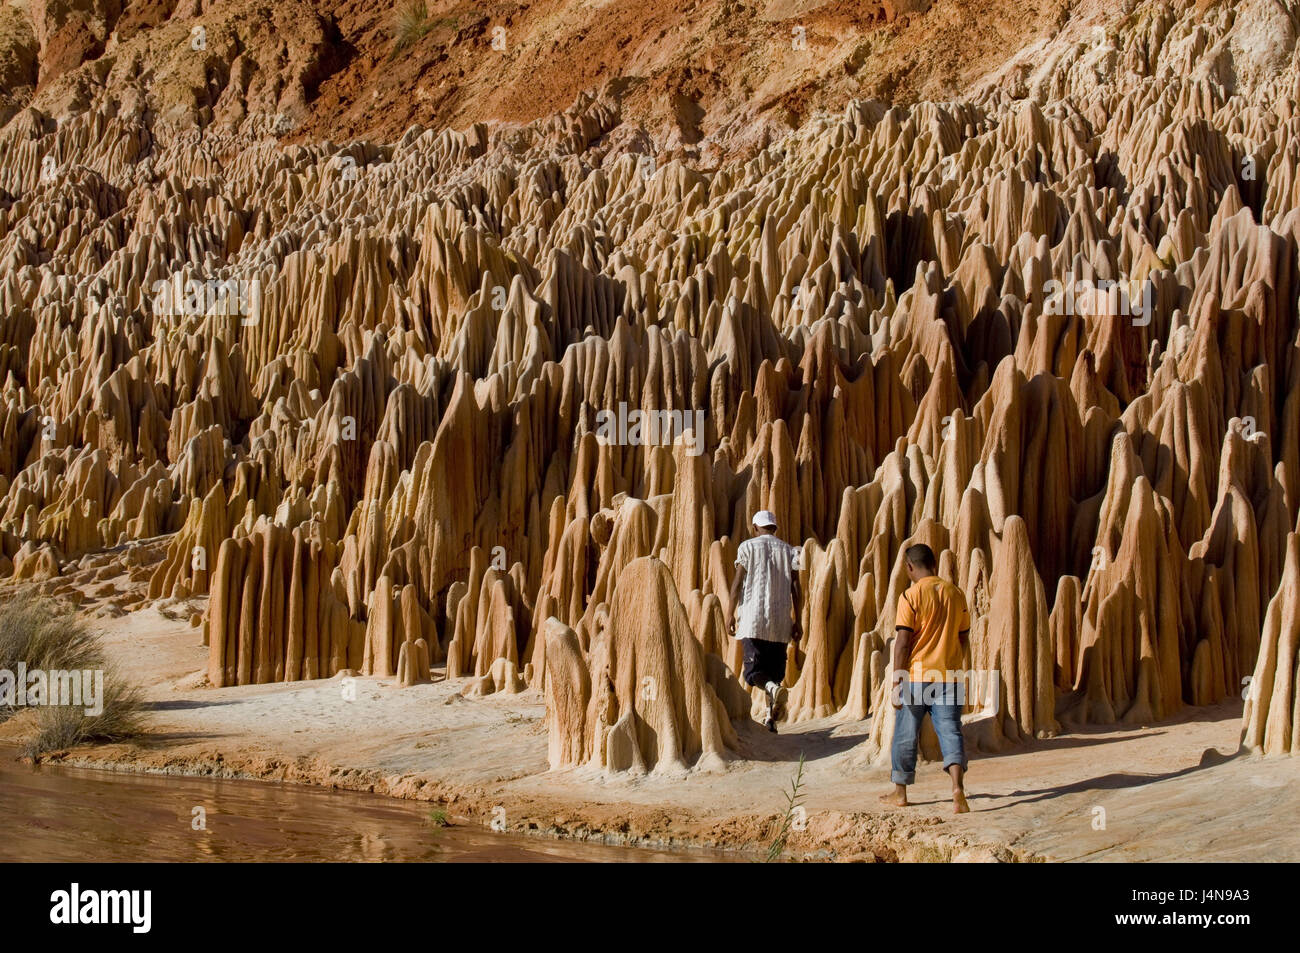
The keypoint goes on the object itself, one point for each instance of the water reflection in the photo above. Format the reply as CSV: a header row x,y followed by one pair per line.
x,y
54,813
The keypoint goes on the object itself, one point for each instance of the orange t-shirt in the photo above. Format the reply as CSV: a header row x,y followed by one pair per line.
x,y
935,610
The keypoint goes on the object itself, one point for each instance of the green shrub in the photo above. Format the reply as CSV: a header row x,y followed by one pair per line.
x,y
65,726
44,633
48,634
410,23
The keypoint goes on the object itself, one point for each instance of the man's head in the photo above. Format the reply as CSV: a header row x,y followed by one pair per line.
x,y
765,521
920,562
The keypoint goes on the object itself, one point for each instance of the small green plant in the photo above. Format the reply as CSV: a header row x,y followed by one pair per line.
x,y
410,23
793,799
438,817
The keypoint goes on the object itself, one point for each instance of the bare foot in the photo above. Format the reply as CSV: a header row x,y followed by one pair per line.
x,y
959,805
896,798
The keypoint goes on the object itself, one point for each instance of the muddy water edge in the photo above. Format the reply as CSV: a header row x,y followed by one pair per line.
x,y
56,813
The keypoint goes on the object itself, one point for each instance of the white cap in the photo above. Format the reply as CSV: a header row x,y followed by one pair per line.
x,y
765,519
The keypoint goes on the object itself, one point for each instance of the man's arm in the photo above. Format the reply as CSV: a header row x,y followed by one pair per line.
x,y
737,587
796,602
903,636
963,626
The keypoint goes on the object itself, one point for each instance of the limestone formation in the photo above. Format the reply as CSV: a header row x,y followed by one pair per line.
x,y
1271,724
505,399
649,700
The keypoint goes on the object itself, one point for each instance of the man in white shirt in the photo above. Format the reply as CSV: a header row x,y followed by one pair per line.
x,y
765,602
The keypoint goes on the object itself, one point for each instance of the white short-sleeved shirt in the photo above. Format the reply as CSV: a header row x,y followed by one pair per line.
x,y
766,602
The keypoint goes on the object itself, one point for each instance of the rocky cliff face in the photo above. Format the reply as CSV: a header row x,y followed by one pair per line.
x,y
708,80
507,396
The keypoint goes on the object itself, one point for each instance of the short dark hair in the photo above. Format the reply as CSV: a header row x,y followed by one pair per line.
x,y
922,557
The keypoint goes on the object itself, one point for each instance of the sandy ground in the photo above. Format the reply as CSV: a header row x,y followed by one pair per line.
x,y
1173,792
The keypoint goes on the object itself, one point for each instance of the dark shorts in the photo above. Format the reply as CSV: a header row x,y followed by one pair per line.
x,y
764,661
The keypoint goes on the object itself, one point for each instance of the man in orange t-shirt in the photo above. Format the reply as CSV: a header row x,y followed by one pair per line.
x,y
931,633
